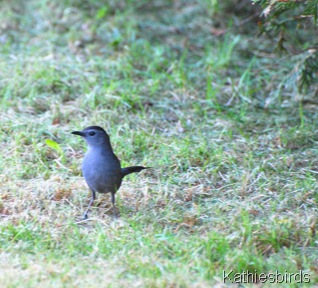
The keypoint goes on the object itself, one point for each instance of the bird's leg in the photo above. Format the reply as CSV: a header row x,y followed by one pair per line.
x,y
113,203
90,204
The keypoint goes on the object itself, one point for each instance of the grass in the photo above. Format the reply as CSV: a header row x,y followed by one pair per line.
x,y
234,183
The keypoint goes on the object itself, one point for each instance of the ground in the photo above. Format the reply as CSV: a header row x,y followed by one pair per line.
x,y
185,87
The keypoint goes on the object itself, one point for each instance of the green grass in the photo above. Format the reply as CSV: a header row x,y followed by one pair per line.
x,y
234,157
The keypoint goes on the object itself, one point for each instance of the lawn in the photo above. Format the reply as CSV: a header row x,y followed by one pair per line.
x,y
185,87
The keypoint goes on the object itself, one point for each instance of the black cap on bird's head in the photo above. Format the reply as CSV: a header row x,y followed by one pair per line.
x,y
93,135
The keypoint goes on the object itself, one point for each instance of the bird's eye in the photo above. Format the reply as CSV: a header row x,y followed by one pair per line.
x,y
92,133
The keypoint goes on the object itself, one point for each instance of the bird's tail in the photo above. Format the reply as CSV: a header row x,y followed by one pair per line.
x,y
132,169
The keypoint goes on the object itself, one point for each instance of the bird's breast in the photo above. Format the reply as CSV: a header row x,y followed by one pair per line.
x,y
102,171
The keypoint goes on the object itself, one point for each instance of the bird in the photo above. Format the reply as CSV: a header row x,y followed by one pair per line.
x,y
101,168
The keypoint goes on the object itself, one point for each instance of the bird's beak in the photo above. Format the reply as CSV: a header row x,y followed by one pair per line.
x,y
80,133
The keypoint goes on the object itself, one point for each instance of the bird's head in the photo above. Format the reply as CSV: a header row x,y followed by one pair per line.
x,y
94,136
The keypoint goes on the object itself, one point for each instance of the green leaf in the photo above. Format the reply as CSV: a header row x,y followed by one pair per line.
x,y
101,13
54,145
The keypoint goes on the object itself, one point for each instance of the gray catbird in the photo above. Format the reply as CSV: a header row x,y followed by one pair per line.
x,y
101,168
